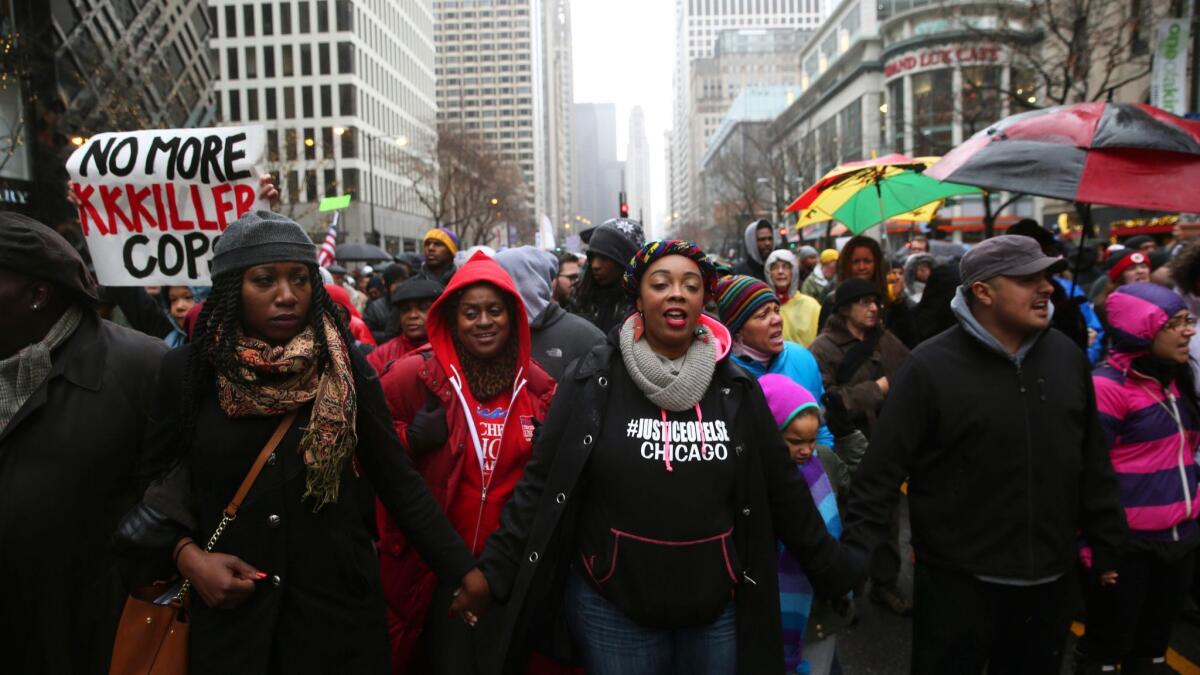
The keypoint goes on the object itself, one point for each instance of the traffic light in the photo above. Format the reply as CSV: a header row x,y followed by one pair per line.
x,y
624,204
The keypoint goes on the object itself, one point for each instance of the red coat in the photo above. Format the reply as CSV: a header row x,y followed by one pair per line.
x,y
407,583
390,351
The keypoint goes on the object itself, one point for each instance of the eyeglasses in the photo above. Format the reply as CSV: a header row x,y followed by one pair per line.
x,y
1181,323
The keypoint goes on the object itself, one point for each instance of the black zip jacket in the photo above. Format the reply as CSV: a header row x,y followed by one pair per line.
x,y
527,560
1005,463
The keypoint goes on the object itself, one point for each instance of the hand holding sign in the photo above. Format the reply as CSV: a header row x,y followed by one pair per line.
x,y
152,203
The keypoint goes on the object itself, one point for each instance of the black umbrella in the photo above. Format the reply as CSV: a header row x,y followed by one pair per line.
x,y
363,252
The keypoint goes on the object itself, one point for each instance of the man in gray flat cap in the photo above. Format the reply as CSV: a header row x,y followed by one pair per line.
x,y
994,425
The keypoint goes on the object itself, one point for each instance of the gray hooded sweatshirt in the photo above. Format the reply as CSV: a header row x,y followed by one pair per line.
x,y
557,337
752,264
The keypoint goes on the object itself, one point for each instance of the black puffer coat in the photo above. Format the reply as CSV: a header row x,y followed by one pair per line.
x,y
527,561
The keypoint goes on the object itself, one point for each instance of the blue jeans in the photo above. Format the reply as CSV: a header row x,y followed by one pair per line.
x,y
613,645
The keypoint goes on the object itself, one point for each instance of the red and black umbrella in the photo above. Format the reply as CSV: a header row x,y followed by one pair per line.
x,y
1118,154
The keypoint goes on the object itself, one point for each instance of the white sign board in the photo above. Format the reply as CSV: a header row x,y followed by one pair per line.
x,y
152,203
1168,86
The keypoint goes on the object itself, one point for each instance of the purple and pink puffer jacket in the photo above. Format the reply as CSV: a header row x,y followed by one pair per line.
x,y
1153,434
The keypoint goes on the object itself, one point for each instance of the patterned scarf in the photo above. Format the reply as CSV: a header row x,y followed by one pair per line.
x,y
795,590
272,380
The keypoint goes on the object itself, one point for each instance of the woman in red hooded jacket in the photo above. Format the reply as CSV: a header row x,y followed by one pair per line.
x,y
466,406
358,327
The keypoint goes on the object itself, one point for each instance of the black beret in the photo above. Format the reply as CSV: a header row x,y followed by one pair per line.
x,y
33,249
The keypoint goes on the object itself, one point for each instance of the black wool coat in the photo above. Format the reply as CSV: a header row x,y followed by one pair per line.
x,y
69,466
321,609
528,559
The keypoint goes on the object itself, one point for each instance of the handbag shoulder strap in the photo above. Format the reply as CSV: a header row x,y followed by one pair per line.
x,y
256,468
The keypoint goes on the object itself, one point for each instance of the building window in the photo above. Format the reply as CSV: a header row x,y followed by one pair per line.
x,y
272,145
323,58
271,110
852,136
251,63
231,62
306,59
347,100
303,9
349,147
285,18
327,142
346,58
322,16
269,61
933,112
248,19
230,21
235,106
288,61
327,100
289,103
345,15
252,105
306,101
981,104
310,185
268,20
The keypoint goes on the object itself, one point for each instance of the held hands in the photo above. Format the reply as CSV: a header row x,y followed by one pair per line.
x,y
428,430
883,385
1108,578
223,581
473,597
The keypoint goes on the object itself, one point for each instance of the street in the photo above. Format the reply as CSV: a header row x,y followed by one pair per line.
x,y
880,643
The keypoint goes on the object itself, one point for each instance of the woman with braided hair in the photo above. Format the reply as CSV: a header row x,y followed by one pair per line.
x,y
293,584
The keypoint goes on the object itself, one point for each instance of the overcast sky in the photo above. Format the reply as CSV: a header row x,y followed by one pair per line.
x,y
623,53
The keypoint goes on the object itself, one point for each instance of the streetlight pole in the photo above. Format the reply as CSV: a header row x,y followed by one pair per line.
x,y
371,181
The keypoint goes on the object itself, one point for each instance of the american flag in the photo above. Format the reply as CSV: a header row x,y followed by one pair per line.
x,y
328,252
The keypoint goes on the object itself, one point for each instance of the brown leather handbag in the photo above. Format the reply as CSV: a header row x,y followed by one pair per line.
x,y
152,638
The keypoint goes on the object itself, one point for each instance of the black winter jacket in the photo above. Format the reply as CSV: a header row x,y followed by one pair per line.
x,y
558,337
528,559
1005,463
69,465
322,608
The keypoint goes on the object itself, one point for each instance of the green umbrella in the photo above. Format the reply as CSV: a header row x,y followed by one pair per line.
x,y
864,194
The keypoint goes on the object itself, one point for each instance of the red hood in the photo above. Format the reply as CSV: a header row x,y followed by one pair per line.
x,y
480,268
341,297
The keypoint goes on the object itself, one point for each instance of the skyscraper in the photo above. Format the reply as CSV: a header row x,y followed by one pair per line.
x,y
598,173
637,171
344,88
698,24
558,175
504,69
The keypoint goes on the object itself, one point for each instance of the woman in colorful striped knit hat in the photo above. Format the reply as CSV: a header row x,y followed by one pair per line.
x,y
750,310
808,622
1148,412
656,495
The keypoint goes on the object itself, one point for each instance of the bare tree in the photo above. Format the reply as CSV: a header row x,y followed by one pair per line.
x,y
464,185
745,181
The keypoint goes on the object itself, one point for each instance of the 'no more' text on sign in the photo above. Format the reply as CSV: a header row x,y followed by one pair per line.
x,y
152,203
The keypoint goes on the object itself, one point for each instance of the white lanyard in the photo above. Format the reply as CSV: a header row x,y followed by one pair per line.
x,y
456,382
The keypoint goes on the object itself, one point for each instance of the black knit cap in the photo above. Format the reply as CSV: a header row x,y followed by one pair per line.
x,y
416,288
33,249
851,290
617,239
259,238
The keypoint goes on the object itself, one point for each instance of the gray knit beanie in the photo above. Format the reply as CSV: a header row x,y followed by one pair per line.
x,y
261,237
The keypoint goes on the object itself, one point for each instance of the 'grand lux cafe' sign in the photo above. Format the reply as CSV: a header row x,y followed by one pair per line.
x,y
943,56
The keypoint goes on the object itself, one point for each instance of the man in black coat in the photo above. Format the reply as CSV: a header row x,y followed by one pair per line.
x,y
994,425
74,396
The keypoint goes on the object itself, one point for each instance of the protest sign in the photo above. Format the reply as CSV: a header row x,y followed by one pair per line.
x,y
152,203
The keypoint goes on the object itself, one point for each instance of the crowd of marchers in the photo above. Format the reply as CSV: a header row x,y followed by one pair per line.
x,y
645,460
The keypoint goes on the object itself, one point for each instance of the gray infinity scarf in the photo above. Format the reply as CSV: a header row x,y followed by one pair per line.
x,y
651,375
